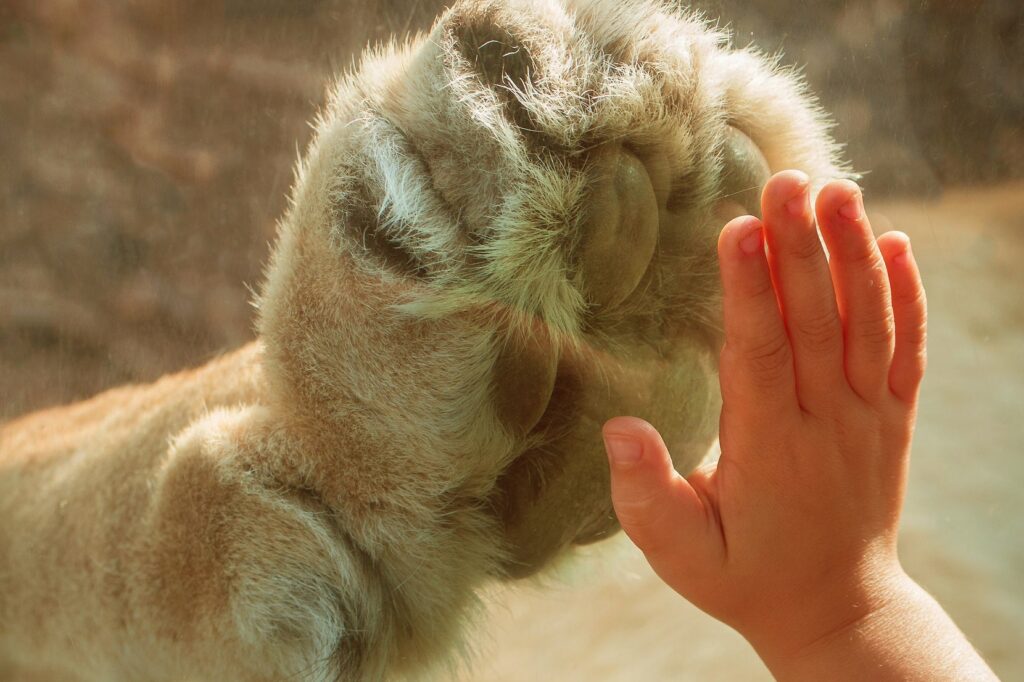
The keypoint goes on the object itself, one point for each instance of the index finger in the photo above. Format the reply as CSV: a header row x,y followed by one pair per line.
x,y
757,360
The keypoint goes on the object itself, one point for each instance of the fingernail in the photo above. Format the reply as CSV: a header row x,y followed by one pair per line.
x,y
854,208
901,257
799,204
623,450
752,242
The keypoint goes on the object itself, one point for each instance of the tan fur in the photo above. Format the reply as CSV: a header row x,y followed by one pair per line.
x,y
502,235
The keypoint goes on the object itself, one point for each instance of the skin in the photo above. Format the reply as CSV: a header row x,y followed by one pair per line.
x,y
791,537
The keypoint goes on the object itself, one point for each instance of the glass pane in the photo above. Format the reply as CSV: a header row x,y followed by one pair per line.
x,y
148,153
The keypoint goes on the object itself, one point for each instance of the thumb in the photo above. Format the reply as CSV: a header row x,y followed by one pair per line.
x,y
659,510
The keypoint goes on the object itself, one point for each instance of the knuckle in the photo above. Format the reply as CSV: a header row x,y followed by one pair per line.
x,y
838,427
911,297
876,334
909,376
919,359
639,513
760,289
818,332
867,259
769,359
922,360
914,334
806,249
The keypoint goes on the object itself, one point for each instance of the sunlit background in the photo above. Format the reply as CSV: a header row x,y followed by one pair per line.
x,y
146,149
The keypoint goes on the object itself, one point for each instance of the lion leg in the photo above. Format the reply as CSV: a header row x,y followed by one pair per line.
x,y
229,567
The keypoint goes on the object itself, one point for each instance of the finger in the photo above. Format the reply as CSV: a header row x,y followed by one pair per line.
x,y
657,508
802,277
910,311
757,363
862,287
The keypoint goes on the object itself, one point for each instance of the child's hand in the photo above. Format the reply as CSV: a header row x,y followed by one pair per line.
x,y
793,536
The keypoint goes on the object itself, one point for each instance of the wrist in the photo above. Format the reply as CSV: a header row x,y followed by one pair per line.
x,y
907,636
819,621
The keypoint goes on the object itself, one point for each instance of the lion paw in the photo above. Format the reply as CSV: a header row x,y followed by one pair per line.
x,y
519,217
